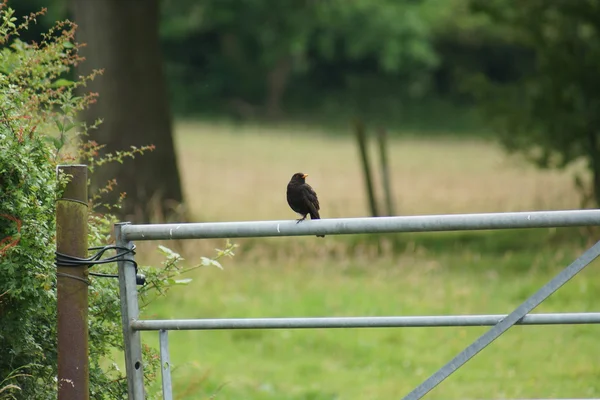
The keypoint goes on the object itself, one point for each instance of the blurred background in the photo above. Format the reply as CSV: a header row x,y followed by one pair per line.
x,y
393,107
441,88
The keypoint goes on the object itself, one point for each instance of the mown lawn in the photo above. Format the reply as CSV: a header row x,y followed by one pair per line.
x,y
237,174
545,362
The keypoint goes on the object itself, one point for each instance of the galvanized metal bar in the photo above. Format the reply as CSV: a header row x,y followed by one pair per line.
x,y
511,319
129,312
165,364
361,322
344,226
72,286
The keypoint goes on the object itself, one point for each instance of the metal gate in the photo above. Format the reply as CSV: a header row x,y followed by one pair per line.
x,y
132,325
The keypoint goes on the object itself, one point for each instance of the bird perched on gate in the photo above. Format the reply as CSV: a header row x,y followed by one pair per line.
x,y
302,198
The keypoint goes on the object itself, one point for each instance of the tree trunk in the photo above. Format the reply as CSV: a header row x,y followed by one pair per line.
x,y
361,138
382,141
594,160
277,81
122,38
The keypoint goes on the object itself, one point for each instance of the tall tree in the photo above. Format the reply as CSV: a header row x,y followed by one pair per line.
x,y
122,38
254,51
551,114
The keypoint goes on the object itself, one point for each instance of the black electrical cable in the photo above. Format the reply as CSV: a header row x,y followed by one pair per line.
x,y
87,282
104,275
74,201
65,260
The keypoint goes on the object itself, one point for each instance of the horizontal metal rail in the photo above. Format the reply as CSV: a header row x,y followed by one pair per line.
x,y
517,315
360,322
344,226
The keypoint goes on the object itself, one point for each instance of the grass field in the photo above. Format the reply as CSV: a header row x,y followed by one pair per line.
x,y
240,173
235,173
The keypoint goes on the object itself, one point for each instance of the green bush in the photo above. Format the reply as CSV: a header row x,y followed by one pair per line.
x,y
27,202
27,261
39,130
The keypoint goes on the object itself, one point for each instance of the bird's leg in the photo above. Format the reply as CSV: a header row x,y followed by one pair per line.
x,y
301,219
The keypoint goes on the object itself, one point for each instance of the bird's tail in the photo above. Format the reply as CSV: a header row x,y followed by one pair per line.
x,y
315,215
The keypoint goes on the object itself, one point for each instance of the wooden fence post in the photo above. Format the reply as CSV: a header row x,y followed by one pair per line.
x,y
72,285
364,156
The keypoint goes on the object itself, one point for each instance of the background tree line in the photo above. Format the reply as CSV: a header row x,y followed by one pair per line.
x,y
293,58
428,65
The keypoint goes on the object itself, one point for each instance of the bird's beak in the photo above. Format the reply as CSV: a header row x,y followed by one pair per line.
x,y
304,176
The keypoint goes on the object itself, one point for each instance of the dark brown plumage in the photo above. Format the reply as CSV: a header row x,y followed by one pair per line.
x,y
302,198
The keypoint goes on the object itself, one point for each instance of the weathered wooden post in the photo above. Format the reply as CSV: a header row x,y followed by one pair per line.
x,y
72,285
361,138
385,172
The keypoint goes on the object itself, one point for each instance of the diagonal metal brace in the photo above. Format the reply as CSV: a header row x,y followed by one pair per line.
x,y
526,307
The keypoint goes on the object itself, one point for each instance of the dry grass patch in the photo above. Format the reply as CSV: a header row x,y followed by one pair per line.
x,y
240,173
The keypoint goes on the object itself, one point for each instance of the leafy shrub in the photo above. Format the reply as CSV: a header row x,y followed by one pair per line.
x,y
39,130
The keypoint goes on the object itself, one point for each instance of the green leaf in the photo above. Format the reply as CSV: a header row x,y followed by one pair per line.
x,y
59,125
206,262
58,144
62,82
68,45
170,281
167,252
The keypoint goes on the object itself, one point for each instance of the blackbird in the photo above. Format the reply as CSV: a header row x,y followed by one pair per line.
x,y
302,198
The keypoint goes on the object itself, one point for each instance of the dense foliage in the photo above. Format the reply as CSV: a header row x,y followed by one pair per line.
x,y
324,59
550,114
415,64
29,91
249,53
39,130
